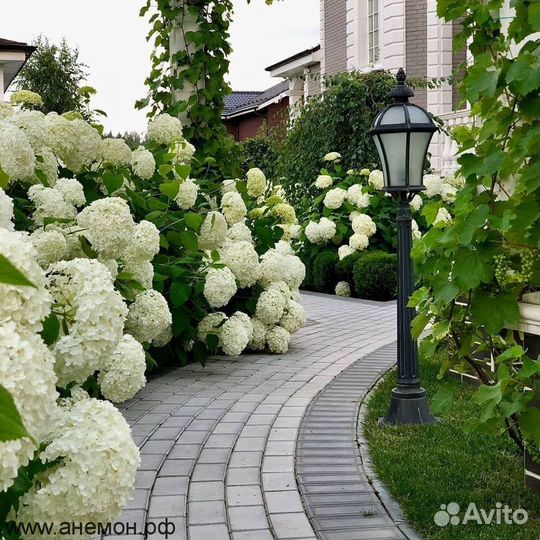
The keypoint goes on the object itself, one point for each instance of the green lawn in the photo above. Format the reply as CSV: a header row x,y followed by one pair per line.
x,y
425,467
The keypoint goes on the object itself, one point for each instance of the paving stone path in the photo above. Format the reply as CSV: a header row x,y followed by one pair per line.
x,y
220,444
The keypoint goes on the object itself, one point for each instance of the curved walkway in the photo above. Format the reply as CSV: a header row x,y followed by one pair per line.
x,y
218,443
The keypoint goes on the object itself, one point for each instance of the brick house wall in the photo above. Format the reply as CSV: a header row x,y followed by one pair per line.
x,y
416,45
333,36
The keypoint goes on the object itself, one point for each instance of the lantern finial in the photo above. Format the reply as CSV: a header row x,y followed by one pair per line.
x,y
401,93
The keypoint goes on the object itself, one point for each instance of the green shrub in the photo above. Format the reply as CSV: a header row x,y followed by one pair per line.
x,y
261,151
345,268
338,123
324,273
375,276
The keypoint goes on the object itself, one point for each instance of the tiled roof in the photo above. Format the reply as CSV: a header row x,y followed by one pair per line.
x,y
245,101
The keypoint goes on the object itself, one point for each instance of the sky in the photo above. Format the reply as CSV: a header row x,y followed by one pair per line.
x,y
111,36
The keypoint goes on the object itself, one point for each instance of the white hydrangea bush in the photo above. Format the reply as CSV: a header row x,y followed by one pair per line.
x,y
353,214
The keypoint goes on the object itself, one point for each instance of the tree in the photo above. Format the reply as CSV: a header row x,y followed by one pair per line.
x,y
55,73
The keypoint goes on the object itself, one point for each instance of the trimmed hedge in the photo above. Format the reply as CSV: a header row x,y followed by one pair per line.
x,y
324,275
375,276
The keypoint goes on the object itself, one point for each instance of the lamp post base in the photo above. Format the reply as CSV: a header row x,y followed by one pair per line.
x,y
408,407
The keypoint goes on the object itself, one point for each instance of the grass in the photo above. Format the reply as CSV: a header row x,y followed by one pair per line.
x,y
427,466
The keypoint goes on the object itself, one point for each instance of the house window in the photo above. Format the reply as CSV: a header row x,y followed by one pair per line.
x,y
373,32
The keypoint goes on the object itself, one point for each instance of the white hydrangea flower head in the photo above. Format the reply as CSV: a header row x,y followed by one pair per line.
x,y
313,232
256,182
17,158
294,317
327,229
27,306
416,233
51,246
332,156
285,212
27,373
233,207
49,203
258,339
83,288
278,339
323,181
187,194
343,289
243,261
416,203
236,333
335,198
107,225
284,247
359,241
376,179
123,374
184,152
144,243
165,129
72,191
345,251
75,142
112,266
143,163
357,197
163,338
6,110
6,211
455,180
211,324
433,183
140,269
229,186
33,125
213,231
96,475
443,217
448,193
270,306
276,266
26,97
115,151
240,232
364,172
219,286
148,316
363,224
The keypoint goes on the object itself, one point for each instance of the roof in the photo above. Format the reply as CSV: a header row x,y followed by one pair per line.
x,y
9,45
292,58
245,102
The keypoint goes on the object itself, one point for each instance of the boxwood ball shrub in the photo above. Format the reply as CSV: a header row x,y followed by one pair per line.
x,y
375,276
345,267
325,276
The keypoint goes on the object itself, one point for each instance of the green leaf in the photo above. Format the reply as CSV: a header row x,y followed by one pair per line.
x,y
443,289
487,393
4,179
170,188
528,369
11,275
470,269
113,182
190,241
495,312
511,354
442,401
193,220
180,293
11,424
51,329
529,422
419,323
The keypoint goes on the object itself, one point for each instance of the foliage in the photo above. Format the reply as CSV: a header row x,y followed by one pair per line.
x,y
324,271
55,73
412,460
345,268
262,151
475,269
337,121
375,276
202,65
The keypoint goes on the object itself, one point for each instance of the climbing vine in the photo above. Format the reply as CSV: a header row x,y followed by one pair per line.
x,y
475,269
199,65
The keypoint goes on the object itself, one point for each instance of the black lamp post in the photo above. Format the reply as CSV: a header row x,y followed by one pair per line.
x,y
402,133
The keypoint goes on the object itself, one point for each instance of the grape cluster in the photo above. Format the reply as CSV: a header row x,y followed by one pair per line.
x,y
529,259
502,266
